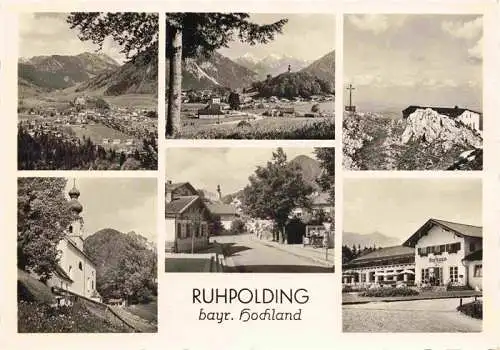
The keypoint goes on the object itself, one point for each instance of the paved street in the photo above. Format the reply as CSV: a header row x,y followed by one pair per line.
x,y
245,254
438,315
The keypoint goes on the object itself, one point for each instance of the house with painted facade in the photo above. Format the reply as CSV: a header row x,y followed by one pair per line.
x,y
439,253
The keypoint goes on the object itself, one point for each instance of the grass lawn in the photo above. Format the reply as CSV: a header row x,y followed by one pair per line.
x,y
146,311
187,265
270,128
97,132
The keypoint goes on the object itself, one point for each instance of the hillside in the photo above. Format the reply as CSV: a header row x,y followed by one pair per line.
x,y
139,76
216,71
368,240
295,84
425,141
59,72
126,266
323,68
310,169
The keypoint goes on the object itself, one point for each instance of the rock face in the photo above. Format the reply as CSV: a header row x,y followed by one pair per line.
x,y
426,140
427,125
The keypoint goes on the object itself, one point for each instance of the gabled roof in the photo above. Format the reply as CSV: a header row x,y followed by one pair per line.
x,y
321,199
61,273
73,244
452,112
475,256
385,253
461,230
221,209
181,204
174,186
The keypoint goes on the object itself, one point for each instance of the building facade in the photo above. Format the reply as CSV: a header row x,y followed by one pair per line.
x,y
186,219
439,253
441,248
75,271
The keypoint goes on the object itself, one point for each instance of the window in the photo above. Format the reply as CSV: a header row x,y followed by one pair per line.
x,y
80,265
188,230
472,247
70,228
179,230
478,270
92,285
454,273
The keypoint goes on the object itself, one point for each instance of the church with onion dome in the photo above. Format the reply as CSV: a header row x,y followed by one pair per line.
x,y
75,272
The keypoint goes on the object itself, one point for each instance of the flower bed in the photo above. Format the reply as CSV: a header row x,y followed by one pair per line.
x,y
389,292
473,309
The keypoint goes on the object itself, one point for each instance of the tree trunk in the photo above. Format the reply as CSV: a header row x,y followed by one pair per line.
x,y
175,81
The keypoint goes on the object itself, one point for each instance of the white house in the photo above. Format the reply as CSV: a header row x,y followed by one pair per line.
x,y
439,253
441,250
186,219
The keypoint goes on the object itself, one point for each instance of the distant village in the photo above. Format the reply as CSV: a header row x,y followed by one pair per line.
x,y
222,104
129,126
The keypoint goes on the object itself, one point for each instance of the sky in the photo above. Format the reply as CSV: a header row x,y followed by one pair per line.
x,y
397,60
398,207
123,204
47,33
305,36
205,168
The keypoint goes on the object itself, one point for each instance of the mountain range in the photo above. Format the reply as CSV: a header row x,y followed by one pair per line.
x,y
272,64
368,240
87,72
59,72
218,71
309,167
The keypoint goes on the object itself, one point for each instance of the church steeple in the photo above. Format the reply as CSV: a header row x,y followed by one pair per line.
x,y
76,227
74,204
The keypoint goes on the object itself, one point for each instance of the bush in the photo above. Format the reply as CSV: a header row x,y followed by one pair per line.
x,y
474,309
315,108
237,227
35,317
389,292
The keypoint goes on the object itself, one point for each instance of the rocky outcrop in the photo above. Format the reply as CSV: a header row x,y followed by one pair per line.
x,y
428,126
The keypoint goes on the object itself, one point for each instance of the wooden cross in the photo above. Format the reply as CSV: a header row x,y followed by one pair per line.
x,y
350,88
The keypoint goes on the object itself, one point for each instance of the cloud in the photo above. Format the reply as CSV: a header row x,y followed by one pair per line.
x,y
471,31
376,23
476,52
373,23
464,30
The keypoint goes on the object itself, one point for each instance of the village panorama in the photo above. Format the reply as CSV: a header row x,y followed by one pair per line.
x,y
93,108
413,107
255,225
264,87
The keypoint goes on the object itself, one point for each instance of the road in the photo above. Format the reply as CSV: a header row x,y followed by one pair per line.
x,y
244,254
437,315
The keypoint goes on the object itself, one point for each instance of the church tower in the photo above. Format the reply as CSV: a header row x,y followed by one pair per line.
x,y
75,229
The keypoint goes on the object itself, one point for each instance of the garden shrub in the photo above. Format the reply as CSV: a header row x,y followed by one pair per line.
x,y
389,292
473,309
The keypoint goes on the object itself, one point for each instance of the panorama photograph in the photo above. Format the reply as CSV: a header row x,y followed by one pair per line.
x,y
86,255
250,76
412,255
87,91
272,211
413,92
